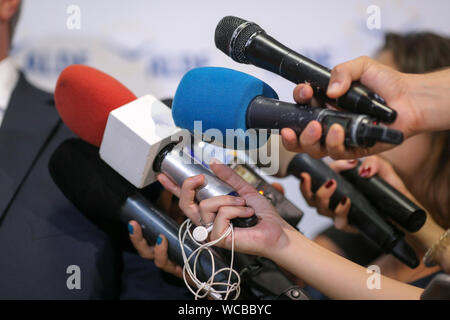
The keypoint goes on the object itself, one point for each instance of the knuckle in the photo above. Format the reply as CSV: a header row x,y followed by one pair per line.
x,y
338,69
202,205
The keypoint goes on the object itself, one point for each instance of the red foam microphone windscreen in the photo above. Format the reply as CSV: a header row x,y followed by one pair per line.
x,y
85,96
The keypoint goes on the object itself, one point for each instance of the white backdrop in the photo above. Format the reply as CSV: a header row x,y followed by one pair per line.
x,y
149,44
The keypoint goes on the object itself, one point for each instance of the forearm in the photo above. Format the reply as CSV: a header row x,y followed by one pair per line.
x,y
431,95
429,234
336,277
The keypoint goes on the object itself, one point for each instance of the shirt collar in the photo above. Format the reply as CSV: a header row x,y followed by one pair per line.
x,y
9,76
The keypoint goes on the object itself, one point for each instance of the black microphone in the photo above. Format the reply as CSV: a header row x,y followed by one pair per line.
x,y
388,200
101,193
360,130
246,42
362,214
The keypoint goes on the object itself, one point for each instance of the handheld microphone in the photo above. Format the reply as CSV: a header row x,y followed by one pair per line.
x,y
362,214
246,42
228,99
241,165
388,200
137,137
99,192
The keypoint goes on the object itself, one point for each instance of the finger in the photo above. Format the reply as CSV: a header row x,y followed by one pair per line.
x,y
169,184
305,188
209,207
341,214
162,260
344,74
187,201
369,167
223,219
335,141
290,140
278,187
375,165
139,242
225,173
343,165
323,196
303,93
310,140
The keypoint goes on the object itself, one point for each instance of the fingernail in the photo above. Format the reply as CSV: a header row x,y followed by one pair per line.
x,y
343,200
352,161
365,172
334,131
311,130
215,161
329,184
130,229
302,93
334,87
159,240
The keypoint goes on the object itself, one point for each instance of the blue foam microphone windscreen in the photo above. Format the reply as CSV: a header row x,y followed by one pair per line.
x,y
218,97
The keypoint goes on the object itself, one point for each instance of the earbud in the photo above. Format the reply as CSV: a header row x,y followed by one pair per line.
x,y
200,233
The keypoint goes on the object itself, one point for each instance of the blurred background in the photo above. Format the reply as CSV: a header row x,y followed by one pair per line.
x,y
148,45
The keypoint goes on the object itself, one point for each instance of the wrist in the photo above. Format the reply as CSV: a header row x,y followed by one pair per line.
x,y
284,243
429,234
429,98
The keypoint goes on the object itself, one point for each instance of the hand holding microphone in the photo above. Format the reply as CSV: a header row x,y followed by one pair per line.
x,y
398,90
246,42
377,180
261,240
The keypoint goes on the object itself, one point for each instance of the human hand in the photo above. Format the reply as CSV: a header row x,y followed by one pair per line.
x,y
265,236
158,252
392,85
371,166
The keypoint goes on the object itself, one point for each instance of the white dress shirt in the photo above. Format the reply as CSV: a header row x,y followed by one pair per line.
x,y
9,76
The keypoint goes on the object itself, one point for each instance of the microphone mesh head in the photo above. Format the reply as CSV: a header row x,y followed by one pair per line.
x,y
232,34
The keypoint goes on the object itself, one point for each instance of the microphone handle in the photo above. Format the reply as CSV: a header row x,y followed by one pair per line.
x,y
362,215
267,113
154,222
388,200
179,166
265,52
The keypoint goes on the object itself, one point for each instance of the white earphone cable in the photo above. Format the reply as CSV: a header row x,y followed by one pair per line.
x,y
210,286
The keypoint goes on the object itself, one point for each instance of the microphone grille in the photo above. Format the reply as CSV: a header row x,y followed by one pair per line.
x,y
231,36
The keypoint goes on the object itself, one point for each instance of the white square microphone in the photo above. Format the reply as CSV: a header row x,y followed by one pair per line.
x,y
134,135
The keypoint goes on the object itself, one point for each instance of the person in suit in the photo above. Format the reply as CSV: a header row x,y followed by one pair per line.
x,y
48,249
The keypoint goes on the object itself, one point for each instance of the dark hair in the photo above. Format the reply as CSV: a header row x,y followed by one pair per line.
x,y
420,53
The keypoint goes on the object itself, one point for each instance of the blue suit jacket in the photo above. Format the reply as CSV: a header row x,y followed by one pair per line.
x,y
42,233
